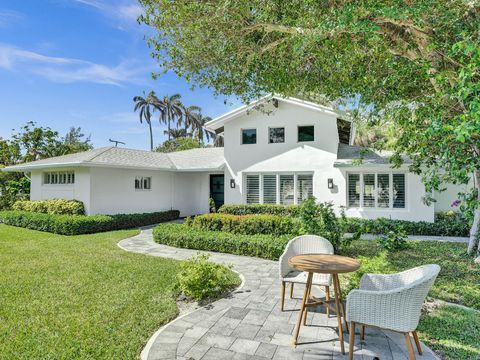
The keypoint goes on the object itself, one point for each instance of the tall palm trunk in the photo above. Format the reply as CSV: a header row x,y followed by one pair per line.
x,y
168,121
151,135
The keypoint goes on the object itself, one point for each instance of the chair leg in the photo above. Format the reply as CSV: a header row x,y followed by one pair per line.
x,y
411,353
291,290
362,333
327,297
417,342
282,294
351,342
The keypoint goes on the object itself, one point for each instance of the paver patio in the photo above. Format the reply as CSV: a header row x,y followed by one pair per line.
x,y
249,324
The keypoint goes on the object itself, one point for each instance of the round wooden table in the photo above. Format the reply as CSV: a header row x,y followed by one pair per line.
x,y
323,264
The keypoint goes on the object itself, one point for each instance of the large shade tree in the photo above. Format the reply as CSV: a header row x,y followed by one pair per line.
x,y
415,63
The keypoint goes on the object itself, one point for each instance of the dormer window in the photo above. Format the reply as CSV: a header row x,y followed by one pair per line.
x,y
306,133
276,135
249,136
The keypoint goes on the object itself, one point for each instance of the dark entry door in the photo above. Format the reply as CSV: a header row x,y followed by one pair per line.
x,y
217,186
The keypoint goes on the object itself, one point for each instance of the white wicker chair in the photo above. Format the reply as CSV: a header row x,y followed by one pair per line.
x,y
392,302
305,244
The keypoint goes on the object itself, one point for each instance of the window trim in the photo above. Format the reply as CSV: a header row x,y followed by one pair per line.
x,y
277,173
305,141
69,175
141,177
390,190
284,135
241,136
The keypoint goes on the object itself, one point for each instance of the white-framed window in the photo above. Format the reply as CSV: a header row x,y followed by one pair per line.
x,y
278,188
59,178
143,183
276,135
249,136
376,190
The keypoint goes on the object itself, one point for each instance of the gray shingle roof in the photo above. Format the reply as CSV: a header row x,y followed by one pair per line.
x,y
195,159
346,154
198,159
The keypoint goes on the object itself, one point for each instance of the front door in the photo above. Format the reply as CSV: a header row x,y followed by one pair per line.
x,y
217,192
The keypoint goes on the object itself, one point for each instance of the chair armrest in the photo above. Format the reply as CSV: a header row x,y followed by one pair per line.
x,y
397,309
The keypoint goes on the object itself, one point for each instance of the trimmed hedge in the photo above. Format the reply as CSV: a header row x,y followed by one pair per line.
x,y
246,224
383,225
80,224
182,236
55,206
253,209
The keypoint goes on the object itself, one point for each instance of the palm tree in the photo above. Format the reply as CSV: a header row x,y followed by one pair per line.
x,y
171,108
190,113
177,133
198,127
146,105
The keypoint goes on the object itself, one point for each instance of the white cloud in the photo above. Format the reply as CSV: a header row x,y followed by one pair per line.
x,y
68,70
8,17
126,10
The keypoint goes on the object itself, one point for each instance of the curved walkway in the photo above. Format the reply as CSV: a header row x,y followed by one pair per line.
x,y
249,323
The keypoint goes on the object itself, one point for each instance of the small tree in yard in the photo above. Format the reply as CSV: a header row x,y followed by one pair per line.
x,y
414,63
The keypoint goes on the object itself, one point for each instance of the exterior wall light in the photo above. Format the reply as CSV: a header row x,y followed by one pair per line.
x,y
232,183
330,183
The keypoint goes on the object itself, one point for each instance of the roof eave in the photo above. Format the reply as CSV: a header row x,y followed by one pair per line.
x,y
365,164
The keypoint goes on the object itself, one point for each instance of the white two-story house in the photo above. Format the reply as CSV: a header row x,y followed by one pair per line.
x,y
277,151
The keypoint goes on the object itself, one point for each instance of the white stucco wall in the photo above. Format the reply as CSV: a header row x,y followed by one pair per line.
x,y
315,157
444,199
113,191
191,192
78,191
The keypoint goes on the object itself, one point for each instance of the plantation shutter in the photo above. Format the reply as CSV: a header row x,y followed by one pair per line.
x,y
398,191
287,189
304,188
354,190
269,189
253,189
369,190
383,185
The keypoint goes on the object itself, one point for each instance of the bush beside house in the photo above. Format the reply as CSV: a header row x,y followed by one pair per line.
x,y
80,224
252,209
55,206
245,224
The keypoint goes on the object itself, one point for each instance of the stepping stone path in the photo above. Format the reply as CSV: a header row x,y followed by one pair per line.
x,y
249,324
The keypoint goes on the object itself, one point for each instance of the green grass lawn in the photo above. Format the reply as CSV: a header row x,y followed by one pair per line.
x,y
451,331
79,297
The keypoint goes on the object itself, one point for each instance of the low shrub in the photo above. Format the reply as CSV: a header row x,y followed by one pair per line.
x,y
320,219
246,224
383,225
81,224
181,236
253,209
55,206
394,239
200,278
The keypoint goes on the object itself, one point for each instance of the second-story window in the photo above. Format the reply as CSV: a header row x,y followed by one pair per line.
x,y
306,133
249,136
276,135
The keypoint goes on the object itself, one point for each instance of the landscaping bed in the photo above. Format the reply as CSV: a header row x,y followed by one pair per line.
x,y
184,236
81,224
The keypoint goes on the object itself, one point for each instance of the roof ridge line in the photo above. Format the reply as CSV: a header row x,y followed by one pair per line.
x,y
97,155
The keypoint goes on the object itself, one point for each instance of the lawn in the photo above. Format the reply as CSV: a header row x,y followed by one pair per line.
x,y
79,297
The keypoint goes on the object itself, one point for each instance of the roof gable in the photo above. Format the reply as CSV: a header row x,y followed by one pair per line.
x,y
216,125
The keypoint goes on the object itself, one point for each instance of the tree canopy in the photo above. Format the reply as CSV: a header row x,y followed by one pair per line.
x,y
415,64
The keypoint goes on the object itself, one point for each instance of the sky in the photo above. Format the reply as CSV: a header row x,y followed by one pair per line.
x,y
67,63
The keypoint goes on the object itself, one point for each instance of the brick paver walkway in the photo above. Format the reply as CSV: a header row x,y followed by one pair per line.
x,y
249,323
